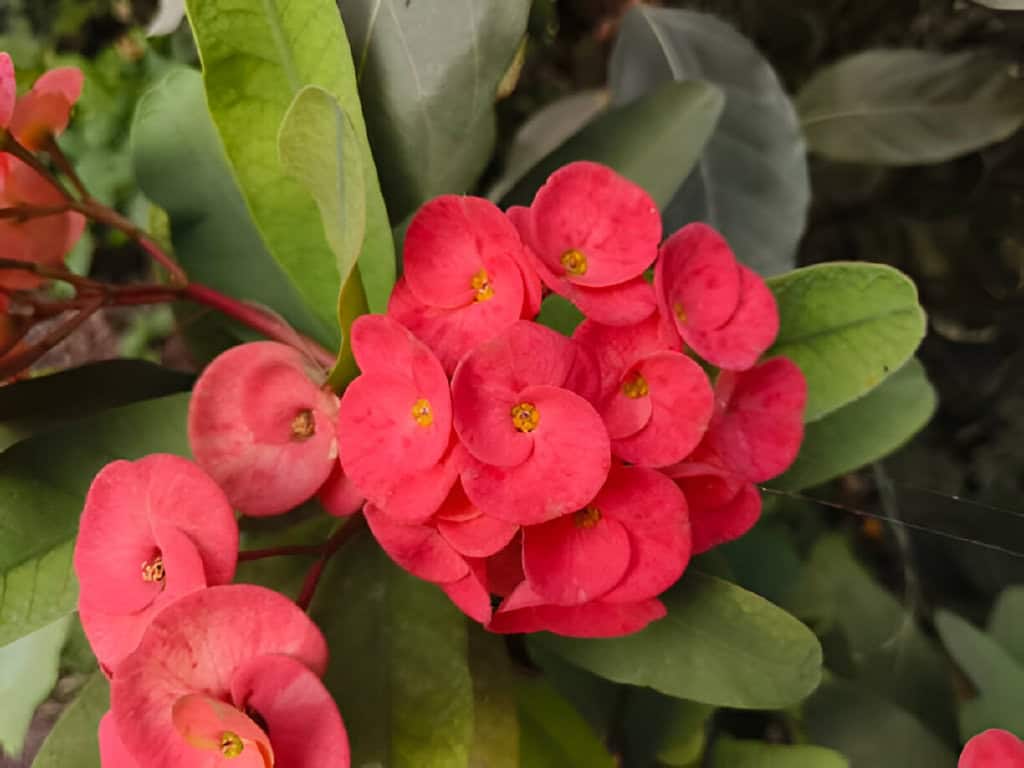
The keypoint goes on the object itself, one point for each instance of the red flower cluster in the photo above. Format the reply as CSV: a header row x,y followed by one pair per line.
x,y
993,749
573,478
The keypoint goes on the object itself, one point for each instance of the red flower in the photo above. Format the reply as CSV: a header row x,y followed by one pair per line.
x,y
45,110
463,276
723,310
593,233
8,90
151,531
262,427
993,749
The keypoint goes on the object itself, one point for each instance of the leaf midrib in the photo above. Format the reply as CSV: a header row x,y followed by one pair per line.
x,y
801,339
276,25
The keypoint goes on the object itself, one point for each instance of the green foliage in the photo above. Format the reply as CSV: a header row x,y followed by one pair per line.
x,y
74,740
495,707
671,731
428,76
719,645
1006,625
641,141
256,57
751,181
552,734
734,753
865,430
848,326
906,107
43,481
560,314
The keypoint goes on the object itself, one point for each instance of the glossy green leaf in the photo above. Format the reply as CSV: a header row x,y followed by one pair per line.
x,y
43,481
257,55
719,645
560,314
428,76
181,166
28,672
988,665
399,668
1006,624
30,406
849,326
641,140
495,708
908,107
74,740
751,182
552,734
865,430
736,753
887,652
870,731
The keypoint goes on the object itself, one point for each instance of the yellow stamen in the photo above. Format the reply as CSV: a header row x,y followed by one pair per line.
x,y
422,412
588,518
303,426
575,262
680,312
231,744
153,570
635,387
525,417
481,283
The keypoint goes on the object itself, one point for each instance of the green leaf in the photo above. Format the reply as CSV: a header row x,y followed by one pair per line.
x,y
909,107
28,673
1002,5
986,663
870,731
74,739
257,55
734,753
398,669
495,712
30,406
848,326
664,730
428,76
1006,624
553,734
642,141
719,645
751,182
888,653
865,430
43,482
560,314
181,166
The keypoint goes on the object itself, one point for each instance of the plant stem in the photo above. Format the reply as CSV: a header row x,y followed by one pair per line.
x,y
248,555
12,146
340,537
18,362
64,166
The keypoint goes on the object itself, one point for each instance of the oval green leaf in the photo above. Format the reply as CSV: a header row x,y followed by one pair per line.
x,y
736,753
74,739
1006,624
849,326
552,734
719,644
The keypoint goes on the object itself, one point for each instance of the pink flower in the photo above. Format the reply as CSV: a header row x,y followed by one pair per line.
x,y
261,425
45,110
535,450
339,495
463,278
656,403
993,749
723,310
151,531
395,422
227,675
8,90
593,233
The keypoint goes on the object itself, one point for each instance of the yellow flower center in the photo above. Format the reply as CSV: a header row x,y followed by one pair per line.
x,y
680,312
153,570
231,744
481,283
525,417
588,518
575,262
303,426
422,413
635,387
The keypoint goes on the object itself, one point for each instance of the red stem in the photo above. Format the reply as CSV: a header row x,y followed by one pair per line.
x,y
340,537
247,555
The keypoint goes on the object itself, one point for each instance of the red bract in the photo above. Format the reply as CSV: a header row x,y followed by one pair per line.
x,y
8,90
151,531
723,310
655,403
262,427
464,279
593,234
993,749
395,422
536,450
45,110
339,495
228,676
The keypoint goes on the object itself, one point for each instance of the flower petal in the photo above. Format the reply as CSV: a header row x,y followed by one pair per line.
x,y
993,749
419,549
470,597
697,279
8,90
623,304
480,536
339,495
617,348
113,753
711,526
202,722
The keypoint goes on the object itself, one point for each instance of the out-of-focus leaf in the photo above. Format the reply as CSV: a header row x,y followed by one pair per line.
x,y
751,182
560,314
1006,624
593,697
909,107
734,753
169,15
1002,5
719,645
74,740
428,76
671,731
641,140
765,560
865,430
849,326
495,708
552,734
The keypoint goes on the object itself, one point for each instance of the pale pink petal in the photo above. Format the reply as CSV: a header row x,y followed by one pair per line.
x,y
419,549
697,279
202,722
